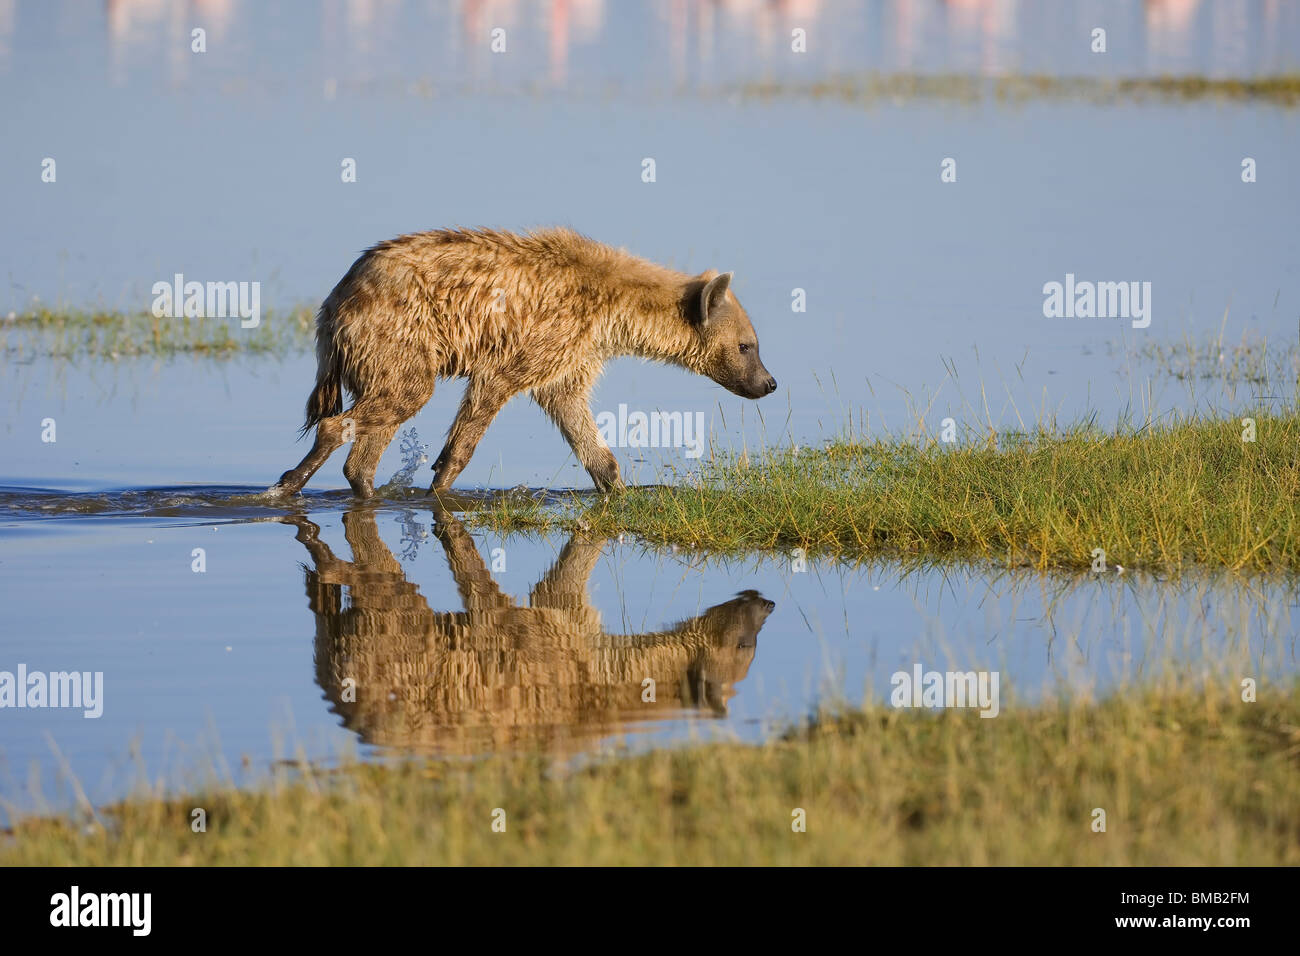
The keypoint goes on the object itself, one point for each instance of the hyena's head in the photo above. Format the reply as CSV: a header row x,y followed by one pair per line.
x,y
730,345
729,634
736,623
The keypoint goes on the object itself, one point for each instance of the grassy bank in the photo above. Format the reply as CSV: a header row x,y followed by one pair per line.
x,y
1184,778
1163,496
99,334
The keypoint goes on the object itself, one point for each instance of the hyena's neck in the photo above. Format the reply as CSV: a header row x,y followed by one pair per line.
x,y
648,318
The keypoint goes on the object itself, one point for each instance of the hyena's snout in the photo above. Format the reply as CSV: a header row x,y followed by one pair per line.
x,y
758,380
749,378
759,383
752,385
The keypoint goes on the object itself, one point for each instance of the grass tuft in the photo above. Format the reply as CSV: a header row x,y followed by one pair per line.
x,y
1164,496
73,334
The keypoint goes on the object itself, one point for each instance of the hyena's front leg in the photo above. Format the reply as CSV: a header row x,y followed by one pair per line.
x,y
483,399
568,404
565,585
479,592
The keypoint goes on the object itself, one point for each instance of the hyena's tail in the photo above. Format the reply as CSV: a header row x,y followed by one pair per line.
x,y
327,397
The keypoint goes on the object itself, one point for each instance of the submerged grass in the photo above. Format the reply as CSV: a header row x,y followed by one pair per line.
x,y
1164,496
73,333
1185,777
1248,361
869,89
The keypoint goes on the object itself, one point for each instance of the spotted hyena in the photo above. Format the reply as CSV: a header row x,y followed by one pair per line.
x,y
538,313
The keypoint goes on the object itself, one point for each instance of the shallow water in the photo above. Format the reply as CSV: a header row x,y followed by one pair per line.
x,y
924,301
464,642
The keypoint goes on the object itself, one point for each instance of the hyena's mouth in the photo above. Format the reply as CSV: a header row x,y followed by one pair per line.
x,y
760,390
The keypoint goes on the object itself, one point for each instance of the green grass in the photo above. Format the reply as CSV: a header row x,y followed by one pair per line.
x,y
1186,777
1250,361
73,333
1164,496
874,88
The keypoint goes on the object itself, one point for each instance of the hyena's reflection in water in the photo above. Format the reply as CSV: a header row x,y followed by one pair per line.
x,y
501,674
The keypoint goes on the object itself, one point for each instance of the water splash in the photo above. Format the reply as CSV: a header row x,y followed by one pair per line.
x,y
414,534
414,454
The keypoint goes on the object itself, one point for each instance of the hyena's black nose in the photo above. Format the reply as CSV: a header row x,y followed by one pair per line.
x,y
771,385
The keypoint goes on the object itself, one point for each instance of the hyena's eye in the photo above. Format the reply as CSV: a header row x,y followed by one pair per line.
x,y
744,347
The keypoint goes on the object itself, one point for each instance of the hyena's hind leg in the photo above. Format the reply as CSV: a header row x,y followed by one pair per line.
x,y
568,404
370,425
377,421
364,457
330,434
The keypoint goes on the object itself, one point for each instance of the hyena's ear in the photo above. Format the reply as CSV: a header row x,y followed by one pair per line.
x,y
713,295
